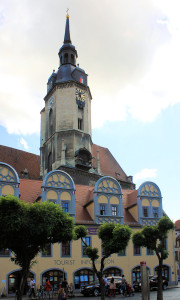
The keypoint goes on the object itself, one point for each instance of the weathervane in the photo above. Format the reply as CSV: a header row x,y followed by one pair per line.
x,y
67,11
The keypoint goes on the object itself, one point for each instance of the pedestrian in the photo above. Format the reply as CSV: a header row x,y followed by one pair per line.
x,y
47,288
112,287
105,282
123,284
61,294
64,285
70,290
32,288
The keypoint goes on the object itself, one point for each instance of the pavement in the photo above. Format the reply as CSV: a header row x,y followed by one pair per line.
x,y
172,292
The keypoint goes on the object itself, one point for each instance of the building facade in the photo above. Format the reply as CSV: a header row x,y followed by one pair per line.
x,y
85,179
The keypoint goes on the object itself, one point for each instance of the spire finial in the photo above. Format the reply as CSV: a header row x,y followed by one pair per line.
x,y
67,13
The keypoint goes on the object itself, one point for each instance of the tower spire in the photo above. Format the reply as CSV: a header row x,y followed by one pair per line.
x,y
67,39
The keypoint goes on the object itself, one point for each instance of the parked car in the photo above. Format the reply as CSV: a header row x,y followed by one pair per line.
x,y
153,282
93,288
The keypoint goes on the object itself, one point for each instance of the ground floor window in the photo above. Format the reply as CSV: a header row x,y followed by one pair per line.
x,y
82,277
136,274
14,281
55,277
113,272
165,271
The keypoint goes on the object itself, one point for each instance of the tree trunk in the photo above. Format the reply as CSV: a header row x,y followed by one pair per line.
x,y
160,290
20,291
100,277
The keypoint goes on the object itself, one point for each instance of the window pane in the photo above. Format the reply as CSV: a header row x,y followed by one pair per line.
x,y
102,209
66,249
155,212
46,251
145,212
114,210
65,206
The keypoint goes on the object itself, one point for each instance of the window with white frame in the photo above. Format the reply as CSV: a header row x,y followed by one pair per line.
x,y
114,210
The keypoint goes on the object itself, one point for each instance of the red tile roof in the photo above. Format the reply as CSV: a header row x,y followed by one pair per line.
x,y
30,190
108,164
21,160
177,224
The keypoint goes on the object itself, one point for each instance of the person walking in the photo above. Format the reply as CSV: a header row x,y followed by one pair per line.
x,y
105,282
32,288
47,288
123,284
112,287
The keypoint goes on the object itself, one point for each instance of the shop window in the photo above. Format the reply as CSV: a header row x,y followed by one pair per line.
x,y
136,250
145,212
55,278
88,243
5,252
83,277
165,271
66,249
102,209
46,251
113,272
65,206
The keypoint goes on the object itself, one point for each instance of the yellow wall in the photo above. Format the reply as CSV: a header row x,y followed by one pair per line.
x,y
126,263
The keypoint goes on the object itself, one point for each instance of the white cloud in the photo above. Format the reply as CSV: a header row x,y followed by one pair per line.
x,y
24,143
145,174
131,69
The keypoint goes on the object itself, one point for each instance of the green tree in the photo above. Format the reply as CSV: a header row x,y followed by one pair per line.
x,y
27,228
114,238
154,237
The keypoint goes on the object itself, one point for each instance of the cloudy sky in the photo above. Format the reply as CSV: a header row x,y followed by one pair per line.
x,y
130,50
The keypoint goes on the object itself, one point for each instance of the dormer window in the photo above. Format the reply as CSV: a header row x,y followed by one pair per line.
x,y
102,210
114,210
155,212
145,212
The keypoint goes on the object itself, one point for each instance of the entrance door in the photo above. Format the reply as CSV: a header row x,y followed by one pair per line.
x,y
14,281
55,277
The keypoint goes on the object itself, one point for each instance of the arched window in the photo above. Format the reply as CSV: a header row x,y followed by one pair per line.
x,y
9,180
82,277
50,122
165,271
58,187
72,59
108,201
49,162
112,272
149,202
66,58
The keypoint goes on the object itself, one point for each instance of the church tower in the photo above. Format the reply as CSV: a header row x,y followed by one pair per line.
x,y
66,117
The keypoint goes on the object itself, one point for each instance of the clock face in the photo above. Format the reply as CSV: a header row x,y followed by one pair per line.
x,y
80,98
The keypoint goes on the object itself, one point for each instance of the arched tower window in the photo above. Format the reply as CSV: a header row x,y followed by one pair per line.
x,y
58,187
108,201
72,59
9,180
49,162
51,122
66,58
149,202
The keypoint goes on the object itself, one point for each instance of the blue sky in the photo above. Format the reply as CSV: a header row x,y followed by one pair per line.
x,y
130,50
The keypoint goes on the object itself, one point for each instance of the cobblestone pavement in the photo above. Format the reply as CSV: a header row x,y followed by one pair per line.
x,y
172,293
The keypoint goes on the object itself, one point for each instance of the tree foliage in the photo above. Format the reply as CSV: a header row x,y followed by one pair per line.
x,y
27,228
154,237
114,238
